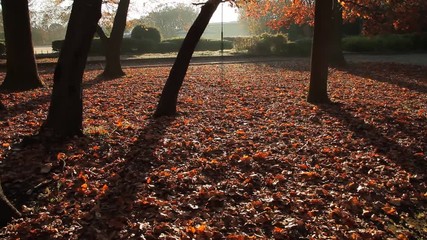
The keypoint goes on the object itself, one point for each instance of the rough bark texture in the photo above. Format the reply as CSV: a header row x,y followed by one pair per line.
x,y
7,210
113,67
169,97
65,114
21,64
318,89
336,56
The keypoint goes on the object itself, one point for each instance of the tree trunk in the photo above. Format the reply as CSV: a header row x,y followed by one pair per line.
x,y
113,67
336,57
2,107
318,89
65,114
168,100
8,211
21,64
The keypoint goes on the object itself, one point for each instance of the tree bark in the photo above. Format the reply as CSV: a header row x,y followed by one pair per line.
x,y
336,56
21,67
113,67
65,116
168,100
8,211
318,89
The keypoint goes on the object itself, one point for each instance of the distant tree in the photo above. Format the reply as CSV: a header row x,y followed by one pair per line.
x,y
171,20
168,99
21,65
65,116
318,90
113,43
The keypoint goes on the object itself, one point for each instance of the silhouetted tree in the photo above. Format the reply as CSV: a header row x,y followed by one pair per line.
x,y
169,97
65,114
113,43
21,64
318,89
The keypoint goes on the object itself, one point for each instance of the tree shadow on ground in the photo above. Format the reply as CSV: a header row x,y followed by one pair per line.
x,y
405,157
24,107
300,65
393,73
27,167
109,215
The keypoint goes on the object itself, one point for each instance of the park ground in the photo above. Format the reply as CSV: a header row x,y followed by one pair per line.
x,y
246,157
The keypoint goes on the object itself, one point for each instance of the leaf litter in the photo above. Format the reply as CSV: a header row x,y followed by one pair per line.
x,y
246,158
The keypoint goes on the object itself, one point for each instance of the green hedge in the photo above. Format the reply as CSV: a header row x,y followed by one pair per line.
x,y
386,43
273,44
141,46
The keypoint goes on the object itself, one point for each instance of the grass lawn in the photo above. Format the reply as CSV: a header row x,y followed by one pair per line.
x,y
246,158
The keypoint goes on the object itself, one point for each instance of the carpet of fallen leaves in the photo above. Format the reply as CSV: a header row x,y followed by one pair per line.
x,y
246,158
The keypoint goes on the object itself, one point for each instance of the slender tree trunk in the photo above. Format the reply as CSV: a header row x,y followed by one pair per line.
x,y
65,114
113,44
168,100
7,210
318,89
2,107
21,64
336,57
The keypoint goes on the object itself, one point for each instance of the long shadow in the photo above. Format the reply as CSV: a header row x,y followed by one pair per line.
x,y
109,214
24,107
384,146
36,102
97,80
22,174
392,73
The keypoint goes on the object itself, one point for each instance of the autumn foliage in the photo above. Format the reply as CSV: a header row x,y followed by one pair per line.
x,y
246,158
377,16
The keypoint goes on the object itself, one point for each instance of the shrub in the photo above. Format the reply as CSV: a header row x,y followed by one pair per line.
x,y
269,44
57,45
147,33
299,48
244,43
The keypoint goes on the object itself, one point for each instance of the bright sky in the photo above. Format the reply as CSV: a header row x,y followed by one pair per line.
x,y
230,13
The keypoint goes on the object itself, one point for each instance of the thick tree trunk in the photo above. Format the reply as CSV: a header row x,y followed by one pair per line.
x,y
65,114
21,64
318,89
7,210
168,100
113,67
336,56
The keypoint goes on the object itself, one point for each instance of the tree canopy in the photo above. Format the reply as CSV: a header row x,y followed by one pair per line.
x,y
378,16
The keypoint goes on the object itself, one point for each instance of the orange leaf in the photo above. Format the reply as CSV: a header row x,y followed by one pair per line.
x,y
61,156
